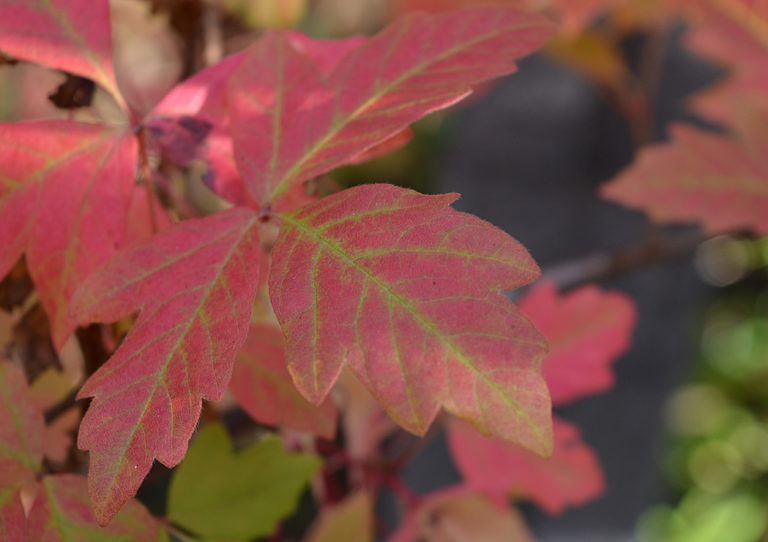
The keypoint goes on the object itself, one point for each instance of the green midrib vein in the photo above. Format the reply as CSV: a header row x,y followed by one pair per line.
x,y
225,261
424,322
339,125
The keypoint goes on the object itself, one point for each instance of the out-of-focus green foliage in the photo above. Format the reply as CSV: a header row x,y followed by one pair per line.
x,y
222,496
717,455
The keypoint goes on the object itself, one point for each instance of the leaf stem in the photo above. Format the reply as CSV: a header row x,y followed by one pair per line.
x,y
603,265
146,177
175,531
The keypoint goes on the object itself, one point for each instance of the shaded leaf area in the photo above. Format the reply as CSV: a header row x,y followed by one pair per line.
x,y
245,495
50,392
263,387
65,188
21,428
386,281
73,36
587,329
75,92
204,97
462,514
291,122
571,477
61,508
62,512
719,181
351,519
194,286
364,421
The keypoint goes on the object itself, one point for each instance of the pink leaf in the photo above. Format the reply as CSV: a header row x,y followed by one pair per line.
x,y
62,512
387,281
400,139
587,330
194,286
203,96
13,524
59,435
734,34
699,176
71,35
21,428
262,386
364,420
462,514
290,122
326,54
64,195
719,181
144,219
572,476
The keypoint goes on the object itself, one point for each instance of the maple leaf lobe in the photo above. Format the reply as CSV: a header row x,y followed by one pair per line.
x,y
388,281
194,285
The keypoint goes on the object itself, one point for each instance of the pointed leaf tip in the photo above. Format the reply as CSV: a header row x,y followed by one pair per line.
x,y
72,35
291,121
194,285
21,428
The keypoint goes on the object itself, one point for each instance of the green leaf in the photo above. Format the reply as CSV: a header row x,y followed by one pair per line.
x,y
350,521
221,495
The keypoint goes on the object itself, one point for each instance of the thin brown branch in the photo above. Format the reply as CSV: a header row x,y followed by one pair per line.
x,y
146,176
600,266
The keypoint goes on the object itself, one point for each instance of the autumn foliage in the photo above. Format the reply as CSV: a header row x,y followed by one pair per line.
x,y
317,312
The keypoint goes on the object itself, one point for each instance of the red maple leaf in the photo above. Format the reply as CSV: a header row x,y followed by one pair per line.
x,y
263,387
587,329
719,180
385,280
194,286
571,477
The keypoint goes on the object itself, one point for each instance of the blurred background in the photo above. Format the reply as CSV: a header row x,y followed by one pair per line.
x,y
683,435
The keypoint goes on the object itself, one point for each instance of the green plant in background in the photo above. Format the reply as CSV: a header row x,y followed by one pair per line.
x,y
717,455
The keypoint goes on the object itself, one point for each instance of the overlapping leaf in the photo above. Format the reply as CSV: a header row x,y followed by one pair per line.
x,y
71,35
290,122
65,189
263,387
21,448
21,428
734,34
587,330
204,97
194,286
365,422
405,291
462,514
222,496
718,180
12,520
572,476
352,520
62,512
